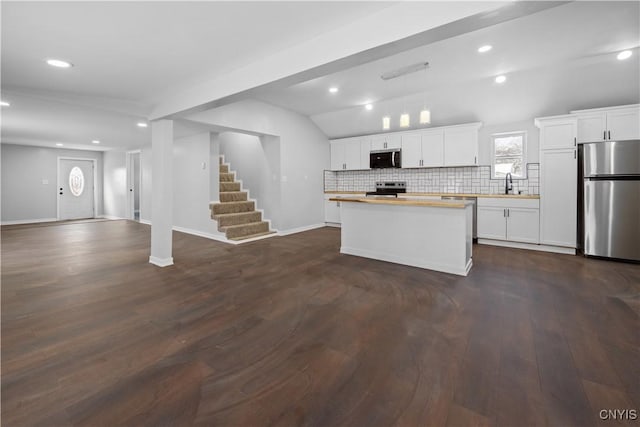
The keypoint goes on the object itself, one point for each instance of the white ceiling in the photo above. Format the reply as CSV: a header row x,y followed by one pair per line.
x,y
129,55
556,60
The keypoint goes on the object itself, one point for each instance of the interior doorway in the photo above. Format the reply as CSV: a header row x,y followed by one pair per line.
x,y
134,182
76,188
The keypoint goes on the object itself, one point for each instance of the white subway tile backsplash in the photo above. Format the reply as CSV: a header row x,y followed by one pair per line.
x,y
433,180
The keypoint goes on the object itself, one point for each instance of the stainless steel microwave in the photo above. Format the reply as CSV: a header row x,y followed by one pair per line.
x,y
380,159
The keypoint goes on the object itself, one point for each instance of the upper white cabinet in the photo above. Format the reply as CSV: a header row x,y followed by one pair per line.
x,y
423,149
557,132
608,124
386,141
433,147
461,145
346,154
558,181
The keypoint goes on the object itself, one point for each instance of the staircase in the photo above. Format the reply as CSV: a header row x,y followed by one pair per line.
x,y
236,215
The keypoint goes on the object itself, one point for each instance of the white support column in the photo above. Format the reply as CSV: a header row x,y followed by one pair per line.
x,y
162,193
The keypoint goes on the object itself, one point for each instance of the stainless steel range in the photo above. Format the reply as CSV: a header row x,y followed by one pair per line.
x,y
389,188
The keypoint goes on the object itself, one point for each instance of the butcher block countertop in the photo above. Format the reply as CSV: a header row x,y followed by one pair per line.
x,y
404,201
491,196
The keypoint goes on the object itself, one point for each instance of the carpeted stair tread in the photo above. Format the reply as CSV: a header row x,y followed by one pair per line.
x,y
234,231
229,186
224,168
232,207
227,177
233,196
225,220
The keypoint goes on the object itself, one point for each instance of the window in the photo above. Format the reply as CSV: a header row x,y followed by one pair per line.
x,y
509,154
76,181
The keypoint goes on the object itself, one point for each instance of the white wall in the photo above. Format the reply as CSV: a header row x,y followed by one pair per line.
x,y
25,169
256,162
304,154
191,185
115,184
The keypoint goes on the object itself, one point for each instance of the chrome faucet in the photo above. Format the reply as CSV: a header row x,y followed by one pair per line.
x,y
508,183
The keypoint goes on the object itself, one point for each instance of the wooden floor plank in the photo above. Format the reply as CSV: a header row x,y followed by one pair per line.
x,y
286,331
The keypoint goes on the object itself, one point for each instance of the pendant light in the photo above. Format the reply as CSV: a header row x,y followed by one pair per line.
x,y
425,115
405,119
386,123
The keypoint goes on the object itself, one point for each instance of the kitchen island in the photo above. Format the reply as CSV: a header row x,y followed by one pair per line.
x,y
431,234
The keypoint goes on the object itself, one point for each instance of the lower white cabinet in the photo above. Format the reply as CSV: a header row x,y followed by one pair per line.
x,y
514,220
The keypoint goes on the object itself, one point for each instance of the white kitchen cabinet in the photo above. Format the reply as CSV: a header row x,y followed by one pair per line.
x,y
346,154
386,141
608,124
423,149
557,132
365,150
411,150
513,220
491,223
558,197
461,145
558,180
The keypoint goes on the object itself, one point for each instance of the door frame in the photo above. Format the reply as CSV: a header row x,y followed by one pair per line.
x,y
95,179
130,194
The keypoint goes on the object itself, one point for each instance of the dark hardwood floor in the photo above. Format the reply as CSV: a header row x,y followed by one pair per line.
x,y
286,331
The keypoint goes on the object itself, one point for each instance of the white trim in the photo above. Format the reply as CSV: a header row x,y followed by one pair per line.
x,y
111,217
29,221
144,221
161,262
333,224
95,181
530,246
300,229
198,233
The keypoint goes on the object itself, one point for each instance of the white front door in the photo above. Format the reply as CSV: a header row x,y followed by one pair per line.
x,y
75,189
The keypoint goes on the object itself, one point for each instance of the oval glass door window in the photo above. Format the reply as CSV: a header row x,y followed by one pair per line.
x,y
76,181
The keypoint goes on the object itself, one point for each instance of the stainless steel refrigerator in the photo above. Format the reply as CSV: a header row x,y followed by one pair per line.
x,y
611,199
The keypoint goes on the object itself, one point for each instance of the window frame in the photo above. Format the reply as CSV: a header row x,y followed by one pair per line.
x,y
495,136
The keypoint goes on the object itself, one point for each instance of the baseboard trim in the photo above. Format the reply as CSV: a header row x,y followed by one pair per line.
x,y
220,237
161,262
529,246
28,221
145,221
111,217
300,229
333,224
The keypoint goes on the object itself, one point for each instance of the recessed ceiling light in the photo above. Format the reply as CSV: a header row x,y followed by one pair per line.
x,y
485,48
501,79
4,103
59,144
333,89
369,107
59,63
625,54
95,141
142,125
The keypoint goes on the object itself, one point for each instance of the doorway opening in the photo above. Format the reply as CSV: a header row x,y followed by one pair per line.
x,y
134,185
76,188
